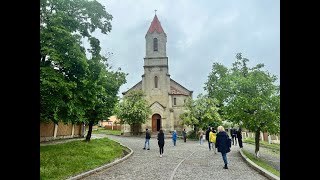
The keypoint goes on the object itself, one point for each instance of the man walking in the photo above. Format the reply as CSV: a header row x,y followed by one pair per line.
x,y
207,137
148,136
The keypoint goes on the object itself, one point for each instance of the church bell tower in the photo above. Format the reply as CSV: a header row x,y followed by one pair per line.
x,y
156,78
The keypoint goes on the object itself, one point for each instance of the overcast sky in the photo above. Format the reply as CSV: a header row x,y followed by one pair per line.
x,y
198,34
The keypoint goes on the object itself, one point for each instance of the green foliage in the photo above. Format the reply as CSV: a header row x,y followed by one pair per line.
x,y
201,112
247,96
68,159
192,135
74,88
134,109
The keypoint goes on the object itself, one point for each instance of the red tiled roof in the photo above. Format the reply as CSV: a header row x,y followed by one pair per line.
x,y
155,26
176,91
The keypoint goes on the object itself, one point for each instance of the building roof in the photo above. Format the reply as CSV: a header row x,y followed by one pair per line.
x,y
176,91
155,26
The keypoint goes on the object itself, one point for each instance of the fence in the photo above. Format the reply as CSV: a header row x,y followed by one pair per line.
x,y
51,131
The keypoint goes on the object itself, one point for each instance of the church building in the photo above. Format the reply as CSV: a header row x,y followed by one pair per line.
x,y
165,96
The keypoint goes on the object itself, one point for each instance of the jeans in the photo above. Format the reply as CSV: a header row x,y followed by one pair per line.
x,y
174,142
209,143
161,148
200,140
234,140
147,141
240,142
214,147
224,157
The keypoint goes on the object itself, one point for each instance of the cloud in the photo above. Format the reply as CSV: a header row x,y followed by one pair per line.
x,y
199,33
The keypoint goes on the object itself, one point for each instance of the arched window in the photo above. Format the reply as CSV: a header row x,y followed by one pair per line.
x,y
156,81
155,44
174,101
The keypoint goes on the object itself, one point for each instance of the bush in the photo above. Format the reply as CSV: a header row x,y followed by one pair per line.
x,y
192,135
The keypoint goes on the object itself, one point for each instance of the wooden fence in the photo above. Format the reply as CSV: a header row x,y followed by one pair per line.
x,y
51,131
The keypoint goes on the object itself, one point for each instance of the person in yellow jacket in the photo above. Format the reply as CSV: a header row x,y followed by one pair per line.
x,y
212,139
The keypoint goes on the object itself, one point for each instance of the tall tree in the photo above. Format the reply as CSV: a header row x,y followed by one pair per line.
x,y
201,112
74,88
133,109
249,96
100,89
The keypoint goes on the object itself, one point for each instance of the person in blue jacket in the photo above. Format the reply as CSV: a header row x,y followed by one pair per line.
x,y
174,137
223,143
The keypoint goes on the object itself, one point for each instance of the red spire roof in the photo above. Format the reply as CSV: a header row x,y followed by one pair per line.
x,y
155,26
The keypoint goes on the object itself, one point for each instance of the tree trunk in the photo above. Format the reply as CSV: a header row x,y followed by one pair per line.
x,y
257,141
89,131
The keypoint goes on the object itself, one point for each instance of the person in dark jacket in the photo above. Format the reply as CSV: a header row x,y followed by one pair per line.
x,y
184,135
207,137
239,136
174,137
223,143
148,136
161,141
234,136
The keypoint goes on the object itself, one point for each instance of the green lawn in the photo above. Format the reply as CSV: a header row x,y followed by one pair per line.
x,y
263,143
262,163
105,131
63,160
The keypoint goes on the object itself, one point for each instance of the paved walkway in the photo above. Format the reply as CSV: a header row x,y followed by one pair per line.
x,y
185,161
270,157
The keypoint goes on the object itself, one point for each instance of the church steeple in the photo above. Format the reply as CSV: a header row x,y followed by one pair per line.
x,y
156,40
155,26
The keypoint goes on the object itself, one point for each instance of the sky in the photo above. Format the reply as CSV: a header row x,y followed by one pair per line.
x,y
199,33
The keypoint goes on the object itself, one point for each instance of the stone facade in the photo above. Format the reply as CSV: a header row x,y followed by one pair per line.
x,y
165,96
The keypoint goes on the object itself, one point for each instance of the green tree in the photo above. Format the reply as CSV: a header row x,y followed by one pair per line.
x,y
133,109
248,96
201,112
100,89
74,88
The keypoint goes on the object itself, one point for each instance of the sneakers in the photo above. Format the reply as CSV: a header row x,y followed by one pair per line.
x,y
160,155
225,167
144,148
148,149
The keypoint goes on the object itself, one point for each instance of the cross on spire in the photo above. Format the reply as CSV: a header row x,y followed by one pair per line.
x,y
155,12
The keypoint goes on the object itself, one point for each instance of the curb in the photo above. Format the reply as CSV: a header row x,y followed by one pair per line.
x,y
85,174
258,168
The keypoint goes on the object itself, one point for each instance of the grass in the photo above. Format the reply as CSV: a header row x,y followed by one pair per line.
x,y
262,163
262,143
106,131
63,160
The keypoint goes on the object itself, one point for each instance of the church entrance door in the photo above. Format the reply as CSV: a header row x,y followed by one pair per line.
x,y
156,122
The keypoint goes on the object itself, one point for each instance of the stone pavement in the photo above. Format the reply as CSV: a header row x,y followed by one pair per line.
x,y
270,157
185,161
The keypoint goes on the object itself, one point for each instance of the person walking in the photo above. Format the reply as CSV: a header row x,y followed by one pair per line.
x,y
161,141
148,136
184,134
207,137
239,136
212,138
223,143
200,136
174,137
234,136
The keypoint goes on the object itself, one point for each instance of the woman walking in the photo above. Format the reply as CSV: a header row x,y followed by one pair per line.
x,y
184,134
212,138
200,136
161,141
223,143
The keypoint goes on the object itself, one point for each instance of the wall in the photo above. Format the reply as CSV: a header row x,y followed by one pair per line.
x,y
50,131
